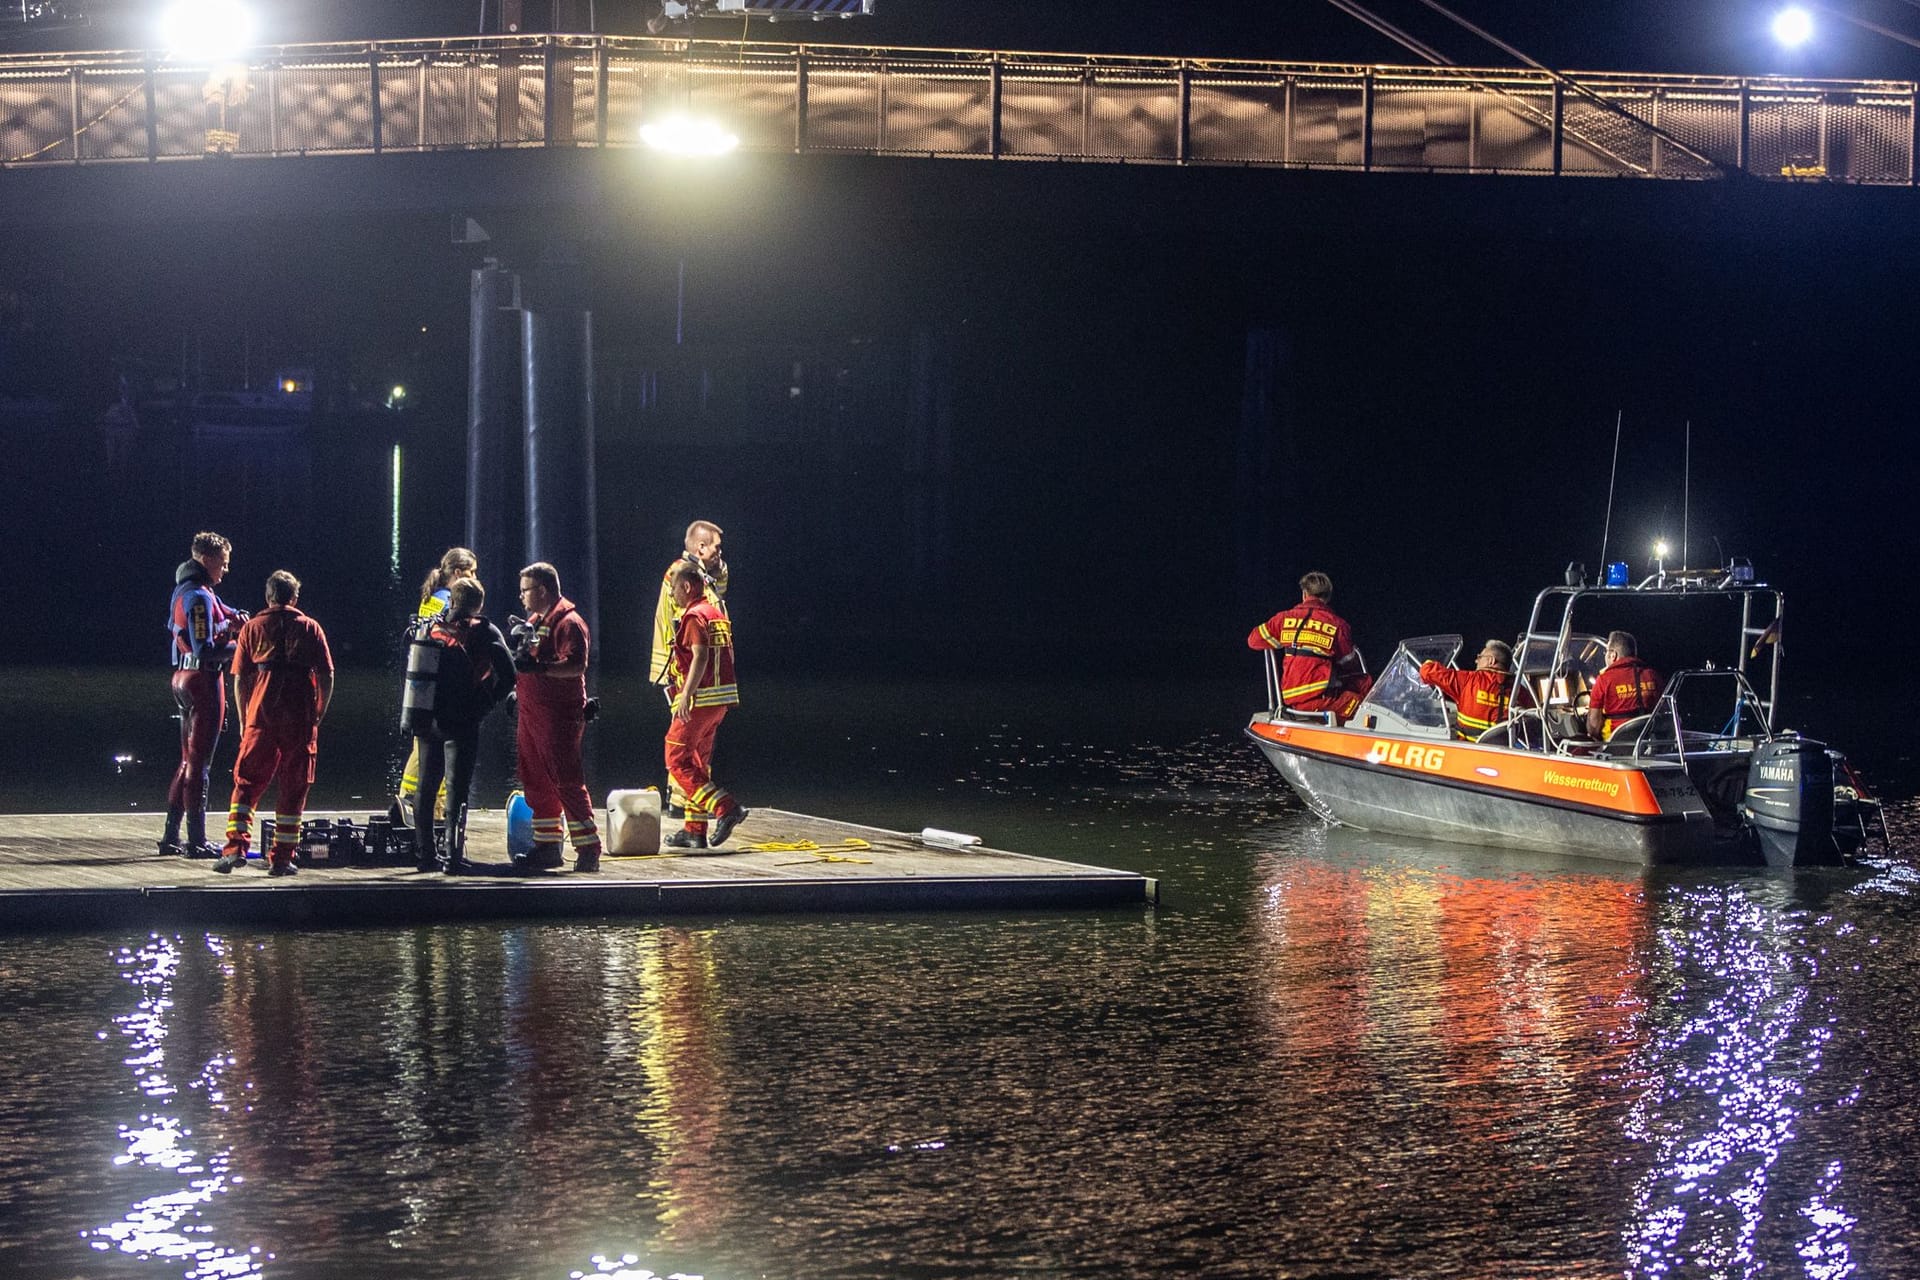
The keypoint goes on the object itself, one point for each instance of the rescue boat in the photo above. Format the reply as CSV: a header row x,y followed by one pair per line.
x,y
1704,777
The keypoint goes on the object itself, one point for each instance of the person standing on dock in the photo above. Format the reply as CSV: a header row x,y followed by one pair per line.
x,y
457,562
1626,687
702,549
475,674
1479,696
551,690
282,683
1320,670
201,626
702,687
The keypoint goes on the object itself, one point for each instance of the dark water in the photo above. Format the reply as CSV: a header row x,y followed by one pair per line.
x,y
1328,1053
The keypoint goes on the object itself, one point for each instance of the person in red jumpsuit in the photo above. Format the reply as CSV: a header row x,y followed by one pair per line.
x,y
201,627
702,686
551,690
282,683
1626,687
1320,670
1479,696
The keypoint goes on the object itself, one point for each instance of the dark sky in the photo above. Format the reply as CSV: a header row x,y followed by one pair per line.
x,y
1699,36
1452,336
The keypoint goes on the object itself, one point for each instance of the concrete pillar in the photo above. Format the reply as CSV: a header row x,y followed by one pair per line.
x,y
556,352
494,452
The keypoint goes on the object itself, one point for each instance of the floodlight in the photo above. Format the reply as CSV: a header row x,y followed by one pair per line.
x,y
1660,549
688,136
210,30
1793,27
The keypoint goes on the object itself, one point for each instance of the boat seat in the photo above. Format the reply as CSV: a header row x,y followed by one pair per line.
x,y
1624,734
1523,732
1308,717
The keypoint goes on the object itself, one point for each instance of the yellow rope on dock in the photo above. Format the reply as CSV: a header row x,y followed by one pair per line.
x,y
836,852
816,852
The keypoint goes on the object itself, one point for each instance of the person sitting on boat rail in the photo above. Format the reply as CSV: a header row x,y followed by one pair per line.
x,y
1320,670
1479,696
1626,687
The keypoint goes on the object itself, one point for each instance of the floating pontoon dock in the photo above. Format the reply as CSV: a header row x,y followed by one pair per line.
x,y
60,871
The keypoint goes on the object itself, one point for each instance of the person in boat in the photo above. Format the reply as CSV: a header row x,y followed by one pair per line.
x,y
551,691
475,675
1626,687
458,562
1479,696
1320,670
202,627
700,548
282,681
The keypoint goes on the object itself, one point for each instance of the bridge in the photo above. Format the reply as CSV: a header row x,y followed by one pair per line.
x,y
490,93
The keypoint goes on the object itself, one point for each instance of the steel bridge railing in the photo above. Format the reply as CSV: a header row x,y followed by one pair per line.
x,y
592,91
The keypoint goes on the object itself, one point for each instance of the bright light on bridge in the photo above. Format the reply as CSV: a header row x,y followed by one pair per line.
x,y
211,30
1793,27
687,136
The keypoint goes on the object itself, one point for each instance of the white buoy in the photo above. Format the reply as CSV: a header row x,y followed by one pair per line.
x,y
954,839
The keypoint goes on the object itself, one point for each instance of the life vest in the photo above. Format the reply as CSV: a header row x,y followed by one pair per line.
x,y
1623,690
199,623
1312,643
717,686
1479,697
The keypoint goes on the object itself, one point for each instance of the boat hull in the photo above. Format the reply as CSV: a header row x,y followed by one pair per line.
x,y
1470,794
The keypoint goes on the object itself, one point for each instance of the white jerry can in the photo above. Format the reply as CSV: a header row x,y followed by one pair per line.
x,y
633,821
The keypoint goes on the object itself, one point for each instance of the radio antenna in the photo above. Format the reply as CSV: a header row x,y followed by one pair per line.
x,y
1686,491
1606,530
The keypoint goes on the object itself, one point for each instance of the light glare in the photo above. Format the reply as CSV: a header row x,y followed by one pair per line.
x,y
214,30
1660,549
1793,27
686,136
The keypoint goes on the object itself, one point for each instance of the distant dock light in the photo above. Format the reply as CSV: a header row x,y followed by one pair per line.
x,y
208,30
688,136
1793,27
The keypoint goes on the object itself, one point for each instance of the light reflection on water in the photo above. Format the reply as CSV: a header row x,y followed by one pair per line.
x,y
1731,1077
1333,1054
165,1225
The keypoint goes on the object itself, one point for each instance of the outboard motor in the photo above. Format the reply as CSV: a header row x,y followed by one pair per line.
x,y
1789,802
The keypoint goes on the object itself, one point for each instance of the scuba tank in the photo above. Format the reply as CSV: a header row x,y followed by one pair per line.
x,y
423,674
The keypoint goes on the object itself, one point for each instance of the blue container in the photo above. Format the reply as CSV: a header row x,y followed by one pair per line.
x,y
1617,574
519,826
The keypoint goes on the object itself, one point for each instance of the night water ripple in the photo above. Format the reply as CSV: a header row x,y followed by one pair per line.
x,y
1330,1054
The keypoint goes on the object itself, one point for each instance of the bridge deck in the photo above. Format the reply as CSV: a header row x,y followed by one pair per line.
x,y
488,93
92,870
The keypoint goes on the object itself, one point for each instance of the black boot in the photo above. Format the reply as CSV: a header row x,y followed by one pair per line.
x,y
170,841
425,855
457,841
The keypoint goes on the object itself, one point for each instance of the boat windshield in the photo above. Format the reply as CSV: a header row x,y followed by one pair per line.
x,y
1586,655
1714,710
1398,687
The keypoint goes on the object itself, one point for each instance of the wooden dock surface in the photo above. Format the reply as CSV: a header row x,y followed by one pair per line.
x,y
61,871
